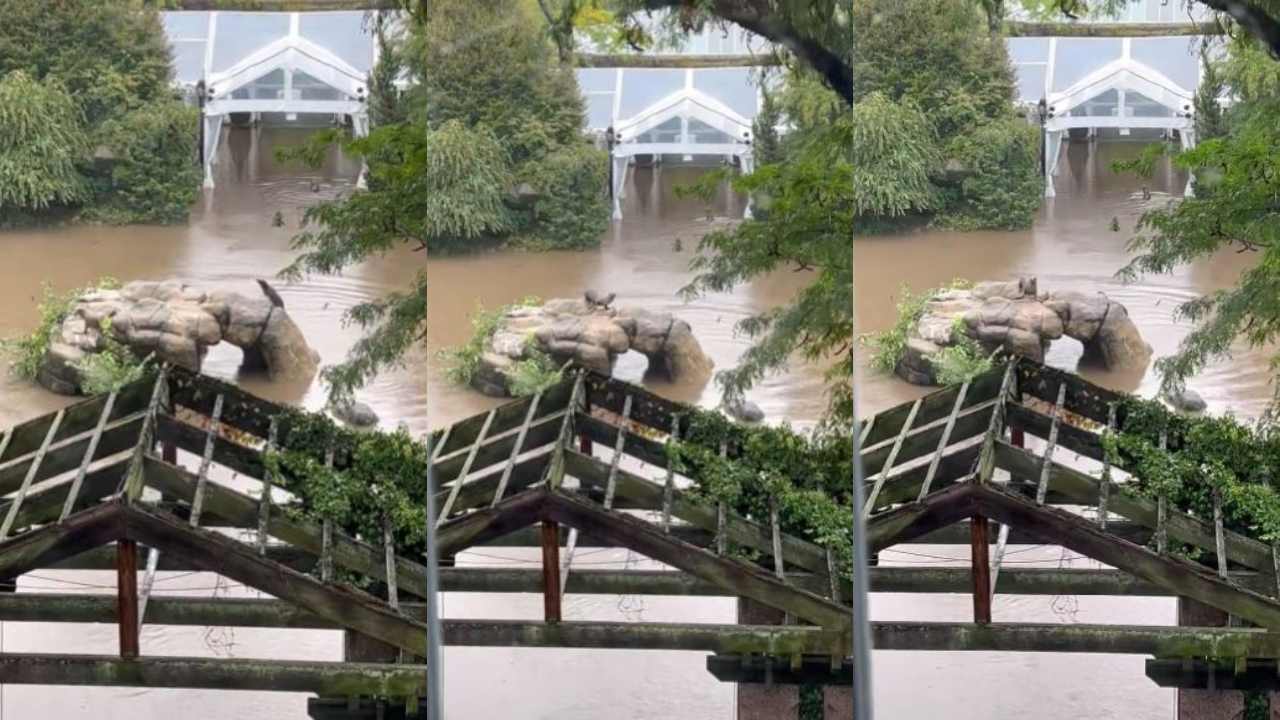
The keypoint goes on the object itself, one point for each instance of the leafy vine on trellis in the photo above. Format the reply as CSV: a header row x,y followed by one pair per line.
x,y
1204,456
808,476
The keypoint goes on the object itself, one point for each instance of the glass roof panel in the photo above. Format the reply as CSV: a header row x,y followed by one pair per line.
x,y
185,25
342,33
643,87
1106,104
1178,58
700,132
306,87
732,86
238,34
188,61
668,132
1027,49
267,87
1139,105
1031,82
599,111
597,79
1077,57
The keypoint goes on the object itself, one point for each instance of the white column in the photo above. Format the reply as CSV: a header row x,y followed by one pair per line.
x,y
619,181
1188,139
748,165
360,128
212,135
1052,149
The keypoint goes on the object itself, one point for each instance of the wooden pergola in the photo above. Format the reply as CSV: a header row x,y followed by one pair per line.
x,y
585,463
97,485
993,462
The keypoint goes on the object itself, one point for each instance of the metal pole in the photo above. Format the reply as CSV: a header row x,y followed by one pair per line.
x,y
862,700
435,704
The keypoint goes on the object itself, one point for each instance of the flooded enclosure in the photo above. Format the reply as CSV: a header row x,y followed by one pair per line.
x,y
231,242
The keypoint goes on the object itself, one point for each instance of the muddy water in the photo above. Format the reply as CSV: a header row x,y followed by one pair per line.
x,y
229,243
1071,246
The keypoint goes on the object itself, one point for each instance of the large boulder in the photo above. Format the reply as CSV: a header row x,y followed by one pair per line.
x,y
592,334
176,323
1014,317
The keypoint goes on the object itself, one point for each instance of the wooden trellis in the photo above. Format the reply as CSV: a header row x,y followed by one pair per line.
x,y
93,484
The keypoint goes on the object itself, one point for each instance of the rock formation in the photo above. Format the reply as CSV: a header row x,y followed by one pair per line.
x,y
592,335
1015,318
177,323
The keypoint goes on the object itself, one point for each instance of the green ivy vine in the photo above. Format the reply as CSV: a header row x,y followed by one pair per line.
x,y
807,475
1205,456
374,476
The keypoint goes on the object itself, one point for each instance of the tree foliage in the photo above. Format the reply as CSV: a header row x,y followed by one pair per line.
x,y
938,55
42,138
1237,183
440,188
112,59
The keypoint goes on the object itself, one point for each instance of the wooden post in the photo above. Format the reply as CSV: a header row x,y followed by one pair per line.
x,y
979,540
551,571
1016,437
127,597
169,452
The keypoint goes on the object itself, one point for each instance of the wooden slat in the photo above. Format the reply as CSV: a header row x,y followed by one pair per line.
x,y
893,457
516,449
264,503
326,533
466,469
133,481
776,532
668,490
16,503
987,456
1220,543
389,548
833,575
202,477
148,582
1104,497
722,512
611,485
74,493
1046,462
944,441
1162,509
745,580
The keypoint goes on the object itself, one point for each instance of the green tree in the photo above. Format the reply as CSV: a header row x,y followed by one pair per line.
x,y
442,188
867,167
1238,181
113,60
42,139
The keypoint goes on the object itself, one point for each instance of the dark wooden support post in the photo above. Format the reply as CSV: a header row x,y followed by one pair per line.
x,y
127,597
551,571
1016,437
1205,704
979,536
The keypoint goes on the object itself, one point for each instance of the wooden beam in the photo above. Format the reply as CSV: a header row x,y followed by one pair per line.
x,y
127,597
980,568
787,640
742,579
810,670
104,558
1182,527
89,452
78,422
550,572
594,473
943,507
44,546
242,511
1107,29
326,678
218,553
1205,674
1079,534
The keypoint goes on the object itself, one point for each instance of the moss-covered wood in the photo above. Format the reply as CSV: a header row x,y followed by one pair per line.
x,y
328,678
